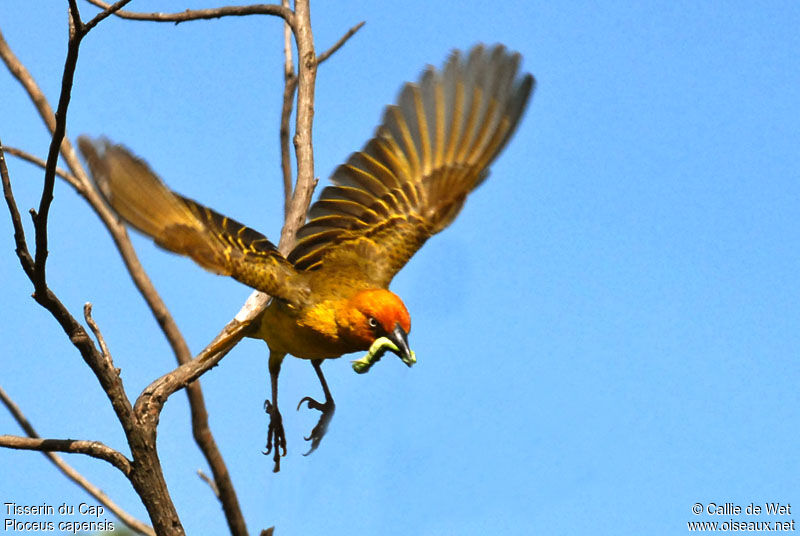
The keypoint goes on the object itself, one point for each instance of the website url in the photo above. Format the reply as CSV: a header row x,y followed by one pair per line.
x,y
741,526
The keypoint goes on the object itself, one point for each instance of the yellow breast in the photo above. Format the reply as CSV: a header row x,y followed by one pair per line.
x,y
310,333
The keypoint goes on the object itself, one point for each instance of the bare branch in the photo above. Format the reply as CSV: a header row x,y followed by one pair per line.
x,y
155,395
223,484
150,402
338,44
18,70
28,157
197,14
307,74
75,23
15,66
19,231
111,382
16,412
87,314
237,328
58,131
75,14
152,399
200,428
288,64
146,475
289,87
109,10
95,449
286,160
72,474
159,390
211,484
109,379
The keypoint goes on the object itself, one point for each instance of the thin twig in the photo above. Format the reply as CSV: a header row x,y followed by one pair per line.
x,y
211,484
288,64
289,87
338,44
107,12
286,160
72,474
87,314
40,217
23,254
307,74
95,449
155,395
21,73
201,431
199,14
28,157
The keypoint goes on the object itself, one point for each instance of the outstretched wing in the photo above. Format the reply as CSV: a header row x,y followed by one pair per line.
x,y
217,243
410,181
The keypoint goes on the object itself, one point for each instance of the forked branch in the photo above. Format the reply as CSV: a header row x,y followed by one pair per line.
x,y
140,421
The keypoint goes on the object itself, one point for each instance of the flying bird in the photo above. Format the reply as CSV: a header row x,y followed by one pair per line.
x,y
330,295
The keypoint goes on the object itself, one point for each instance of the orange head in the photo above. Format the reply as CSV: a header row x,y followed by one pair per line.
x,y
372,314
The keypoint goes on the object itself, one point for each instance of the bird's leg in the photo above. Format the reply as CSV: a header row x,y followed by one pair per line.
x,y
275,434
327,409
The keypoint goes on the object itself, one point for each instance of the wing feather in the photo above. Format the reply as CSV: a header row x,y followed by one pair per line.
x,y
178,224
412,178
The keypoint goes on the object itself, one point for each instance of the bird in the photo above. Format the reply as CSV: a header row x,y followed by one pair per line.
x,y
330,295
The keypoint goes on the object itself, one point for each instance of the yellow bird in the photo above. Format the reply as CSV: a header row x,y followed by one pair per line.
x,y
330,295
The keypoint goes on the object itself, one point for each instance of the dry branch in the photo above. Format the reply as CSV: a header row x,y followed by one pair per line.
x,y
95,449
145,474
19,231
342,40
140,421
163,387
205,478
289,87
200,427
28,157
72,474
87,315
306,80
200,14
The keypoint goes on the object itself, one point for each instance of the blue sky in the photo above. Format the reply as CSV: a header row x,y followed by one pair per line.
x,y
607,335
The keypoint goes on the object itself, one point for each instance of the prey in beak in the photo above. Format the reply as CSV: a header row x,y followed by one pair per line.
x,y
396,342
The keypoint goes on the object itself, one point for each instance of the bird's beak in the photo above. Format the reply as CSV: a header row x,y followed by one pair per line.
x,y
400,339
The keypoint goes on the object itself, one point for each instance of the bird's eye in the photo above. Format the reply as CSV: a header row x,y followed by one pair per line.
x,y
372,322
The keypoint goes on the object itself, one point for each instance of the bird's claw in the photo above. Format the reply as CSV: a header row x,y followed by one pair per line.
x,y
275,435
318,432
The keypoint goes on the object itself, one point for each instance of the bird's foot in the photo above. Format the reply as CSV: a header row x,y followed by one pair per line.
x,y
318,432
275,436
